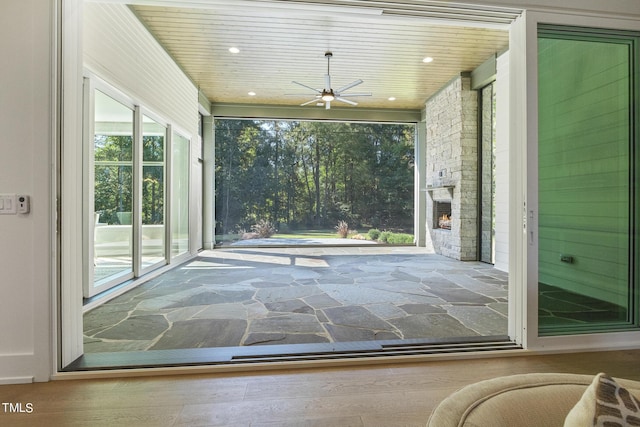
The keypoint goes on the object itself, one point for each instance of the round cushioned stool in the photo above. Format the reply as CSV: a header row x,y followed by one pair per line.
x,y
516,400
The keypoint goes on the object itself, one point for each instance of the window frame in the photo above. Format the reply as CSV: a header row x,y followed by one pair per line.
x,y
524,140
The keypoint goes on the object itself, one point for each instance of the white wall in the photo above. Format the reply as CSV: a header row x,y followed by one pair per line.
x,y
120,50
502,163
25,156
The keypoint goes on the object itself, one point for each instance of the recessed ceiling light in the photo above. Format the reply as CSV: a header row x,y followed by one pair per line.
x,y
427,59
392,98
234,50
252,93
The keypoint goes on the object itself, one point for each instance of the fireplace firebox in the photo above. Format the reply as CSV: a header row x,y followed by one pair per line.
x,y
442,215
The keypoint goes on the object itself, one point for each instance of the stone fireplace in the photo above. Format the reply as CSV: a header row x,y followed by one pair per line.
x,y
452,170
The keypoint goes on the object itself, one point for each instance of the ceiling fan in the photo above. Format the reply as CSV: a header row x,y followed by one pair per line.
x,y
327,95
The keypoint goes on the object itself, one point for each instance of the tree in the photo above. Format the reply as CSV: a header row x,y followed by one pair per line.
x,y
113,157
313,174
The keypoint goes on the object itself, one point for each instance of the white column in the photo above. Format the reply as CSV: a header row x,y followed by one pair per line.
x,y
70,321
208,184
420,195
502,163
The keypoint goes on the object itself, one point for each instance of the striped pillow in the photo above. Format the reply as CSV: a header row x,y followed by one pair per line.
x,y
605,403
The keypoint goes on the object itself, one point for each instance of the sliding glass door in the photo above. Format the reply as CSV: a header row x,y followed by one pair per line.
x,y
179,196
126,191
112,192
152,206
588,180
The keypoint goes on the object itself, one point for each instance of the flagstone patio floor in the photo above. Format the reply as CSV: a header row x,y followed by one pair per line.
x,y
248,296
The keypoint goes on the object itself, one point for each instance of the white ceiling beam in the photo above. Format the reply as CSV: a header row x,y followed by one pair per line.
x,y
254,6
312,113
429,11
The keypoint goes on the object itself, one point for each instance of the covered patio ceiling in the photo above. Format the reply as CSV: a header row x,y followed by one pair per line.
x,y
382,43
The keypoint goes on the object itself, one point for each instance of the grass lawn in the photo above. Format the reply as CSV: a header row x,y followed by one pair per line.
x,y
308,234
297,234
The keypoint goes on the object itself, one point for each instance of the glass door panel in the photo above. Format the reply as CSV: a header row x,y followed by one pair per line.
x,y
180,196
126,201
113,191
153,193
586,181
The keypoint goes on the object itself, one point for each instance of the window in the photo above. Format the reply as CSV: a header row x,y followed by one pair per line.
x,y
128,233
588,189
180,196
112,192
153,192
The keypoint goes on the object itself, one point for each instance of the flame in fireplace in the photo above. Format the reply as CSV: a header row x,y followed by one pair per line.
x,y
445,221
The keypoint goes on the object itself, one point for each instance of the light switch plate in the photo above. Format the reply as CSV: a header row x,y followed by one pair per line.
x,y
8,204
23,203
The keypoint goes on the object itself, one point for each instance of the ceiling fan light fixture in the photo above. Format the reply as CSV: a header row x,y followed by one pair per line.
x,y
328,95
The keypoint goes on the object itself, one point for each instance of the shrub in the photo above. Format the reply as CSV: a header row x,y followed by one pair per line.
x,y
264,229
384,236
374,234
393,238
343,229
400,238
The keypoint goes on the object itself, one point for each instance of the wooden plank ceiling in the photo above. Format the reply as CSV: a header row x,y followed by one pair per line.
x,y
280,45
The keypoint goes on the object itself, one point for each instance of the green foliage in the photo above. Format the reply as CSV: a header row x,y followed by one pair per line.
x,y
391,237
399,238
343,229
114,179
313,174
264,229
374,234
384,236
308,234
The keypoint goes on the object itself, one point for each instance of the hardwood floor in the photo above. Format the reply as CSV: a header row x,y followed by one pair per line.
x,y
380,395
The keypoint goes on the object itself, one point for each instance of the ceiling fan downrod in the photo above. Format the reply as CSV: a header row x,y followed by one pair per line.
x,y
328,55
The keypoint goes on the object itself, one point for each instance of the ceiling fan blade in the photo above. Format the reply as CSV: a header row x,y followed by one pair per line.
x,y
348,101
350,85
306,95
308,87
308,102
327,82
327,105
354,94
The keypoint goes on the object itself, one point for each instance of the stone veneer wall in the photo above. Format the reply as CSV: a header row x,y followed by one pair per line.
x,y
452,160
486,175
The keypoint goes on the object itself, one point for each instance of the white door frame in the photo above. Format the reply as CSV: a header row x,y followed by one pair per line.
x,y
524,185
523,322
